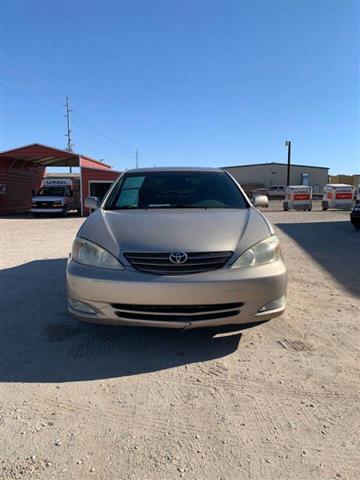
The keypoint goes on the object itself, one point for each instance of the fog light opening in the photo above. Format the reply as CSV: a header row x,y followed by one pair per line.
x,y
274,305
80,306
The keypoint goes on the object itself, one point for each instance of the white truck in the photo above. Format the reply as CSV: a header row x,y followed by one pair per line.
x,y
338,195
57,196
277,191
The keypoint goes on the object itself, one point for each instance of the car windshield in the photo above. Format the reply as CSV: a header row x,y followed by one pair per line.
x,y
175,189
51,191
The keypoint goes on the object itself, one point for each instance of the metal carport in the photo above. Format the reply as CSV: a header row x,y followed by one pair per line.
x,y
22,169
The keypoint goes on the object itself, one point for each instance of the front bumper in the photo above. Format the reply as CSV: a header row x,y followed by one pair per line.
x,y
47,210
299,206
99,288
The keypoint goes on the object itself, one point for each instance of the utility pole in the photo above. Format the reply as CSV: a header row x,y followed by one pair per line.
x,y
288,144
137,158
70,145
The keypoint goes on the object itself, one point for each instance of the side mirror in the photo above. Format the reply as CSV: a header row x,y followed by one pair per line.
x,y
261,201
92,202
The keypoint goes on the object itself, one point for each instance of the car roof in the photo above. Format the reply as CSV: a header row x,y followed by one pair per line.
x,y
175,169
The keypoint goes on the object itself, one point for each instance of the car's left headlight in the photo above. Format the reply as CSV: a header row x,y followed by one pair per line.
x,y
266,251
88,253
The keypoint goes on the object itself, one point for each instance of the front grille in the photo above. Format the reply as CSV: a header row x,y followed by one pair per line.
x,y
46,205
176,313
160,262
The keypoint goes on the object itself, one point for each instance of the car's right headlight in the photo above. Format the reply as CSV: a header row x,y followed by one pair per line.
x,y
88,253
266,251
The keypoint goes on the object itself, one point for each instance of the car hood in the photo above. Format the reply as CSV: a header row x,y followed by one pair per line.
x,y
176,230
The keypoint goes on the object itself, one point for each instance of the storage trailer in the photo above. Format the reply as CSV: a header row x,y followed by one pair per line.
x,y
338,196
298,197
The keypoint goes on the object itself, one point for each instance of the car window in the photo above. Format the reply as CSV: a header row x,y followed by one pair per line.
x,y
167,189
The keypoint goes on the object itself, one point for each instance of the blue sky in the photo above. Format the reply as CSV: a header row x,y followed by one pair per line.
x,y
187,83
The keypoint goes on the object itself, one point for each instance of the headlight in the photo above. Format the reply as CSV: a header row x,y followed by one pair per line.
x,y
266,251
89,253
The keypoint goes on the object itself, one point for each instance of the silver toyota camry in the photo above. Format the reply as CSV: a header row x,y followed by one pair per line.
x,y
178,248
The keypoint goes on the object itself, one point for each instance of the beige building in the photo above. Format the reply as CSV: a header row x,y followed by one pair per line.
x,y
275,174
349,179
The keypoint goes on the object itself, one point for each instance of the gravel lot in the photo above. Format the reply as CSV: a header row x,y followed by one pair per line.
x,y
279,401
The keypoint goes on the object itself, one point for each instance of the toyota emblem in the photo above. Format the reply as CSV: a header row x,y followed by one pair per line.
x,y
178,257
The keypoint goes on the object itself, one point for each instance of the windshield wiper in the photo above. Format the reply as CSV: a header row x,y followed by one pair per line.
x,y
124,207
177,205
154,206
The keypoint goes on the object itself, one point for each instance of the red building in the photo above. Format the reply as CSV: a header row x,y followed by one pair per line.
x,y
22,169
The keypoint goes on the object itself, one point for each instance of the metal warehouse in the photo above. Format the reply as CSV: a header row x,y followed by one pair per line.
x,y
22,170
273,174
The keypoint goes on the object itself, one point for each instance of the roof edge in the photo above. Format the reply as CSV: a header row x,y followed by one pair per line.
x,y
274,163
75,154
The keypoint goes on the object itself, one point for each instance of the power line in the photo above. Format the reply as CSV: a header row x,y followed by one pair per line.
x,y
39,81
47,101
44,105
99,132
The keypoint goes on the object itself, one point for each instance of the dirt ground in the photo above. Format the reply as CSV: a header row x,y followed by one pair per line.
x,y
279,401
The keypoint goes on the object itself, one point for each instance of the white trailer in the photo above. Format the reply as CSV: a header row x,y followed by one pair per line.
x,y
338,195
298,197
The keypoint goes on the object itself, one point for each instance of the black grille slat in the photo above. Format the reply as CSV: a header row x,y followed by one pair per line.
x,y
177,318
164,262
196,262
44,204
166,255
177,268
175,309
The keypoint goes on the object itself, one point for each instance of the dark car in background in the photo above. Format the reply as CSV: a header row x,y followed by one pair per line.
x,y
355,216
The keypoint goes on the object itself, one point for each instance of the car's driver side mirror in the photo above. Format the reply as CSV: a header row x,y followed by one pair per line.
x,y
92,202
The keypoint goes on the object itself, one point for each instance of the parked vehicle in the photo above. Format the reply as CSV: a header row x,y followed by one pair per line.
x,y
298,197
338,195
176,248
277,191
357,194
355,216
57,196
